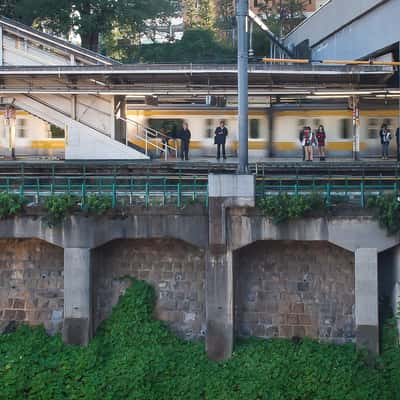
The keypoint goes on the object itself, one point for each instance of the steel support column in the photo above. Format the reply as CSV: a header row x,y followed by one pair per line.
x,y
243,61
356,128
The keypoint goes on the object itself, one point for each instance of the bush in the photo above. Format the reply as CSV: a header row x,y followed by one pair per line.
x,y
58,207
98,204
388,208
10,205
285,207
134,356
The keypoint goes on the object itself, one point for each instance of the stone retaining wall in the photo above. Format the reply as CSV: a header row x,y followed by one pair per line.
x,y
287,289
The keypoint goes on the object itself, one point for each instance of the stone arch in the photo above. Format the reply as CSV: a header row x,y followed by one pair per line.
x,y
295,288
175,268
31,283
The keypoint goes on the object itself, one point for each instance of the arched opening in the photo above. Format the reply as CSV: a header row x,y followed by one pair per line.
x,y
31,283
294,289
175,269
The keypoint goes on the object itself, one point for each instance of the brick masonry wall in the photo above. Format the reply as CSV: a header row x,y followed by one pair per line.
x,y
174,268
31,283
287,289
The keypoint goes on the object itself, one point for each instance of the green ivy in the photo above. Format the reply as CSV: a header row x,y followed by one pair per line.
x,y
97,204
285,207
58,207
134,356
10,205
388,209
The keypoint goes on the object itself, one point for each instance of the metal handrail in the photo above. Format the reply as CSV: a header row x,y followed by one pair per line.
x,y
150,133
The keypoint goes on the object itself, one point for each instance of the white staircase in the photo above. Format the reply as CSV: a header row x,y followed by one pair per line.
x,y
149,140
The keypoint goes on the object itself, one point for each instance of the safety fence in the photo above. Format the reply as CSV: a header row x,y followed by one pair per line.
x,y
180,190
354,190
123,190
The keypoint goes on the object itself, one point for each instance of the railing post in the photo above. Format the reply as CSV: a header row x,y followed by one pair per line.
x,y
362,199
179,195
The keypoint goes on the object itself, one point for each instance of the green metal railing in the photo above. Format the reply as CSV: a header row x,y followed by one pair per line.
x,y
122,189
354,189
179,190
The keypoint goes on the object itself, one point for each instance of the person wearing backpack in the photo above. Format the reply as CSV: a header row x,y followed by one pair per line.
x,y
386,137
308,142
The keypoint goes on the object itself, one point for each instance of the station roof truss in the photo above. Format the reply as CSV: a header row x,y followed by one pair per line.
x,y
157,79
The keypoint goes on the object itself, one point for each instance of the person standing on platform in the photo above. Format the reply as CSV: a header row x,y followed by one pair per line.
x,y
301,137
308,142
184,136
321,139
220,139
385,136
398,143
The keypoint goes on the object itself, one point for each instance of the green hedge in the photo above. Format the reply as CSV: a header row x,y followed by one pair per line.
x,y
134,356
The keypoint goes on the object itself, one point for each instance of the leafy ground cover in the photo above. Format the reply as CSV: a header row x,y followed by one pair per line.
x,y
134,356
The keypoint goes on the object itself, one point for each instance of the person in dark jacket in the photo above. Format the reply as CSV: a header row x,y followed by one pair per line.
x,y
321,139
184,136
220,139
386,137
301,137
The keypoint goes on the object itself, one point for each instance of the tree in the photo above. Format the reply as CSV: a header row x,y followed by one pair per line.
x,y
88,18
284,16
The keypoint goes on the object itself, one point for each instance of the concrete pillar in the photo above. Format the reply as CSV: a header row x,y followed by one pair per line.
x,y
366,297
395,300
224,191
78,327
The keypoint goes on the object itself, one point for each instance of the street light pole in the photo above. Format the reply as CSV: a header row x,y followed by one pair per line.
x,y
242,12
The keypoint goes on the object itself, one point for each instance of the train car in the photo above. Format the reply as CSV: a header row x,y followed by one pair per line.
x,y
36,138
33,137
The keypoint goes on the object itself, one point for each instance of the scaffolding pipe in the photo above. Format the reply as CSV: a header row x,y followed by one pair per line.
x,y
243,87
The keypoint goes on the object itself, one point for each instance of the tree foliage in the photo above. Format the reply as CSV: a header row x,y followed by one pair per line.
x,y
284,16
88,18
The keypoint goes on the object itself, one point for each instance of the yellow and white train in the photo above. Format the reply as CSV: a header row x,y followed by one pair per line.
x,y
35,137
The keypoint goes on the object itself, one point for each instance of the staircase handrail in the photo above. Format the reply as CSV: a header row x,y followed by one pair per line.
x,y
152,133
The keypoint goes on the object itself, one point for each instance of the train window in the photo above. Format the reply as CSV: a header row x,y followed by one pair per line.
x,y
172,126
254,129
56,132
316,122
346,128
372,133
373,122
21,127
209,127
388,122
302,122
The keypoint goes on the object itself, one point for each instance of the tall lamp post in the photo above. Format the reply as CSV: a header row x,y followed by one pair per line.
x,y
242,12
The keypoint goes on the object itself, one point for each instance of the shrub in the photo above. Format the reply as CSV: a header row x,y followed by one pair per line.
x,y
388,208
284,207
10,204
58,207
98,204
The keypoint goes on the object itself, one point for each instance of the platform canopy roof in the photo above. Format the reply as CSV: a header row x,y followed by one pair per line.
x,y
196,79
